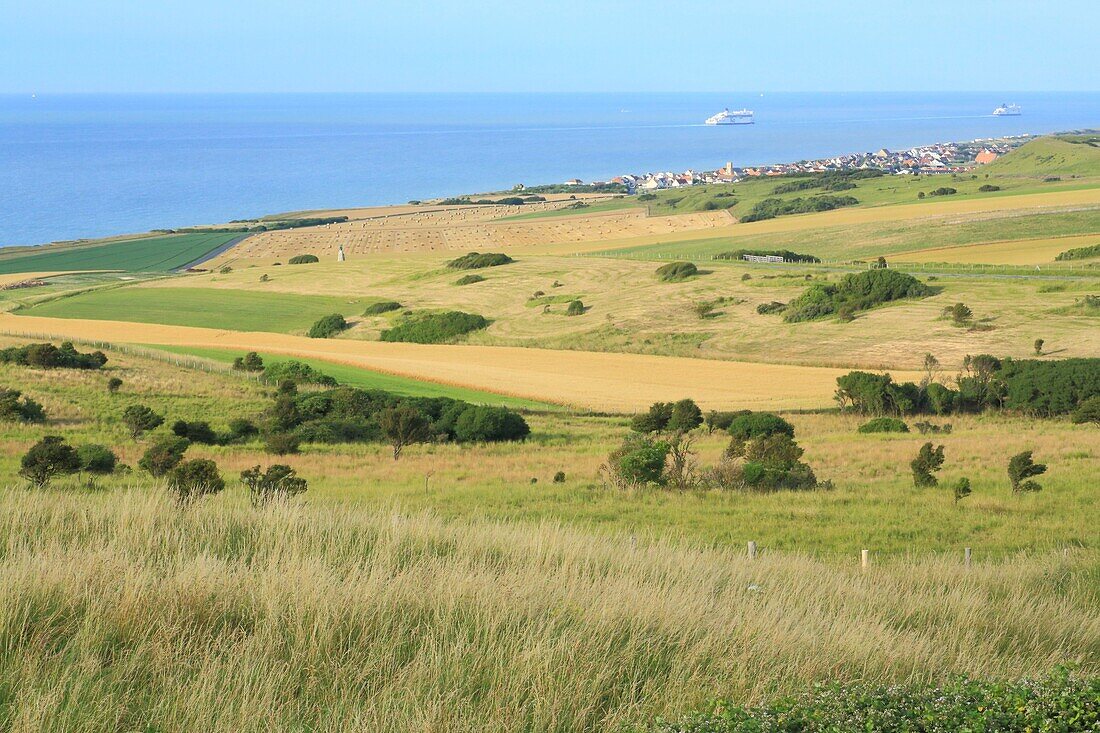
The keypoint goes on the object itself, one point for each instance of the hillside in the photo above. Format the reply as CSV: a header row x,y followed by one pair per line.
x,y
1061,155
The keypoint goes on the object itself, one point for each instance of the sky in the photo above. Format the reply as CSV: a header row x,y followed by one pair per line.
x,y
548,45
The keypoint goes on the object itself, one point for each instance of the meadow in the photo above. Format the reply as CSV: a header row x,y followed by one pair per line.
x,y
148,254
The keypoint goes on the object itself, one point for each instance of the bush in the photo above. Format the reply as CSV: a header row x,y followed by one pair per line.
x,y
762,464
960,489
771,307
140,419
1088,411
1080,253
196,432
675,272
114,384
640,461
13,408
49,457
772,207
296,372
281,444
96,458
1058,702
884,425
716,420
925,428
1021,468
164,455
859,291
575,308
48,356
959,313
382,306
750,425
943,191
477,261
928,461
435,328
469,280
278,483
988,188
1047,388
194,479
328,326
685,416
303,260
484,424
250,362
559,477
241,429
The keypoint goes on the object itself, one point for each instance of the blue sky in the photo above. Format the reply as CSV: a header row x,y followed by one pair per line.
x,y
548,45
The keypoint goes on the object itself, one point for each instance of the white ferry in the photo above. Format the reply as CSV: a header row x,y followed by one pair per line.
x,y
1007,110
737,117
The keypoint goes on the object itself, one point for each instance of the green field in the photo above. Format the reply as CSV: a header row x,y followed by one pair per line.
x,y
1064,156
366,379
150,254
239,310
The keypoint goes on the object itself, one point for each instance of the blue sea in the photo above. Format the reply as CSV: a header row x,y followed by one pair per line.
x,y
91,165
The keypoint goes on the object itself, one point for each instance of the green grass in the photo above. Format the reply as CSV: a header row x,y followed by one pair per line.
x,y
149,254
239,310
366,379
1069,155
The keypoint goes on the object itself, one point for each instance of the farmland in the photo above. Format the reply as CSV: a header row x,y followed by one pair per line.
x,y
149,254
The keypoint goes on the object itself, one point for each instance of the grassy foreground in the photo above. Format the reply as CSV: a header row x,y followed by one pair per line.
x,y
121,612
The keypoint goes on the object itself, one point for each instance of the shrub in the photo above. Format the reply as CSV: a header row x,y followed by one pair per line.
x,y
241,429
164,455
654,420
196,432
943,191
675,272
296,372
859,291
404,425
716,420
435,328
772,207
469,280
477,261
96,458
328,326
771,307
1021,468
959,313
114,384
928,461
49,457
685,416
303,260
1088,411
48,356
1080,253
278,482
926,427
1038,347
575,308
140,419
960,489
194,479
485,424
21,410
281,443
250,362
639,461
988,188
750,425
382,306
884,425
559,477
1046,388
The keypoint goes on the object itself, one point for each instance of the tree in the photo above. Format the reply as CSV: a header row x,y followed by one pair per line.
x,y
250,362
47,458
197,432
193,479
404,425
164,455
278,483
654,420
928,461
114,384
880,263
281,443
21,410
1021,468
485,424
1039,347
140,419
931,370
960,489
97,459
685,416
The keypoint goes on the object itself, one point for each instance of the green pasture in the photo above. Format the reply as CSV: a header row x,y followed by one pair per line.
x,y
149,254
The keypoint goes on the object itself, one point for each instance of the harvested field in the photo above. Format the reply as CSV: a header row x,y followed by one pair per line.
x,y
1014,252
599,381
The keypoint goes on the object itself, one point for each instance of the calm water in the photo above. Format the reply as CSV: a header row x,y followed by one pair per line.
x,y
83,166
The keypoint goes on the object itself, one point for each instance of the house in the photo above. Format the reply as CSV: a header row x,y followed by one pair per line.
x,y
574,182
986,156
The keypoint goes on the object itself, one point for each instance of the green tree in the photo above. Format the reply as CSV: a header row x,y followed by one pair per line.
x,y
278,483
97,459
48,458
959,313
281,443
685,416
1088,411
140,419
21,410
194,479
1021,468
250,362
404,425
163,455
928,461
960,489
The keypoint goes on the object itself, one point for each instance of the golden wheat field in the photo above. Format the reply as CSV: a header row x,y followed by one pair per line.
x,y
1016,252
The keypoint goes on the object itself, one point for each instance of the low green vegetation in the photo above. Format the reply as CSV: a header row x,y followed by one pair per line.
x,y
772,207
855,292
469,279
48,356
148,254
675,272
328,326
15,407
884,425
381,307
1080,253
435,328
828,181
303,260
477,261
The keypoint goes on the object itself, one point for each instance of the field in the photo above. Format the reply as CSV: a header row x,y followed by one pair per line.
x,y
1013,252
150,254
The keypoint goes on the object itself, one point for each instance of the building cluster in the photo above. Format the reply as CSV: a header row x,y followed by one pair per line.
x,y
953,157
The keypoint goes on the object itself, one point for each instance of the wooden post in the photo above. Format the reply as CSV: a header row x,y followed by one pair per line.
x,y
752,550
865,559
966,555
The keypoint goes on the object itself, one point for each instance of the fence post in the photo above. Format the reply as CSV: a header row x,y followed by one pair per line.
x,y
966,555
752,550
864,559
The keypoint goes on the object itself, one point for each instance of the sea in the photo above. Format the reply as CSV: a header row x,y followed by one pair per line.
x,y
78,166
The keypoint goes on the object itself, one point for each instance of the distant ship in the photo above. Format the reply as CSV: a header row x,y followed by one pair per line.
x,y
1007,110
737,117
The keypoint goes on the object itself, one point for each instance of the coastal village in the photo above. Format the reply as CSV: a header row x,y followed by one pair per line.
x,y
953,157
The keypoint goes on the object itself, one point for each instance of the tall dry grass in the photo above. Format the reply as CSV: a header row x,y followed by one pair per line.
x,y
120,612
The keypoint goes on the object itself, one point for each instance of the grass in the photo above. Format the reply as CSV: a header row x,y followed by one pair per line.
x,y
239,310
149,254
366,379
1066,156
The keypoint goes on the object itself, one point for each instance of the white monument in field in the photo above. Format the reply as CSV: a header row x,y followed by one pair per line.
x,y
340,256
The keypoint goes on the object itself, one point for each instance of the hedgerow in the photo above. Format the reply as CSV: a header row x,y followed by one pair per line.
x,y
435,328
771,208
48,356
